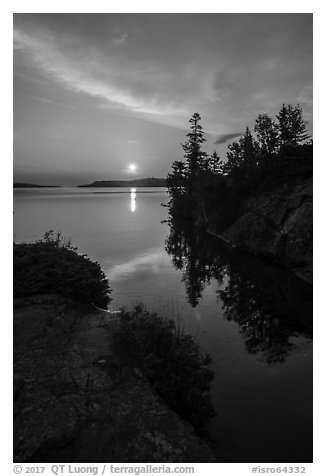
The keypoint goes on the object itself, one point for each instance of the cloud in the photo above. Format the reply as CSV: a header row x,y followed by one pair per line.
x,y
223,138
46,100
55,103
305,99
162,68
305,96
226,80
104,78
120,37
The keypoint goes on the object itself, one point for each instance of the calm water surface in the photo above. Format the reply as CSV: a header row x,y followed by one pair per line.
x,y
253,318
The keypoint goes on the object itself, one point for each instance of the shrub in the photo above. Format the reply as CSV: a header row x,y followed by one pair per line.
x,y
171,361
53,265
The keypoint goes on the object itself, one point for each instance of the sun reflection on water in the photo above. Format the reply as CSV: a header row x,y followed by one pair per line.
x,y
133,199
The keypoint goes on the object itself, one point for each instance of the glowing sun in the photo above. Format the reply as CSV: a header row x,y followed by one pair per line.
x,y
132,167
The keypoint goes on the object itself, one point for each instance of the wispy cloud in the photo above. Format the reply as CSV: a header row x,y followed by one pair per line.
x,y
223,138
161,68
56,103
120,37
108,83
305,97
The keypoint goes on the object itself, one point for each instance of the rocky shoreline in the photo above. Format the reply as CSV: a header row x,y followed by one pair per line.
x,y
275,222
278,226
74,401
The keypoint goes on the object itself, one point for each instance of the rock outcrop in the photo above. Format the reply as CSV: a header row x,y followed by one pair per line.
x,y
276,223
74,402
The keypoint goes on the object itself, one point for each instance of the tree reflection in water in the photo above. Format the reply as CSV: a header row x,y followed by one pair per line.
x,y
269,303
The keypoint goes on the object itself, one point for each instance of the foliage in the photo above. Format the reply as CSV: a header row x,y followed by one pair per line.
x,y
171,360
192,147
251,159
267,134
187,178
214,164
242,157
52,265
176,179
204,182
291,126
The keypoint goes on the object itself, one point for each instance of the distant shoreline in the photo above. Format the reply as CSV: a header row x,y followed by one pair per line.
x,y
30,185
143,182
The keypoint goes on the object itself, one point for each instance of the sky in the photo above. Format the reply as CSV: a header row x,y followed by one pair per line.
x,y
95,93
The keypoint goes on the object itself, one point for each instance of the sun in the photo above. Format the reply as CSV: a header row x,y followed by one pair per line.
x,y
132,167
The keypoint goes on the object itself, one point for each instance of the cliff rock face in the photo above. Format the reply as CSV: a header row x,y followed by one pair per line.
x,y
276,223
73,402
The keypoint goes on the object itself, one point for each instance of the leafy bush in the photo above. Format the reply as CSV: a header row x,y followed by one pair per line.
x,y
53,265
171,360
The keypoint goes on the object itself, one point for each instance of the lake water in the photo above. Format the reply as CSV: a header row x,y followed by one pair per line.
x,y
253,318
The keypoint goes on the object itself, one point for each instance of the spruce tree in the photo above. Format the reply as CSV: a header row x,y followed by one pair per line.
x,y
291,126
176,179
192,147
267,134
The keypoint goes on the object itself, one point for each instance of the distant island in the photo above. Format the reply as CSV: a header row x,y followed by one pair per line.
x,y
30,185
143,182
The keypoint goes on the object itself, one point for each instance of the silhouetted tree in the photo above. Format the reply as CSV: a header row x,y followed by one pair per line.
x,y
267,134
242,157
249,149
186,178
192,147
234,163
203,188
176,179
214,163
291,126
